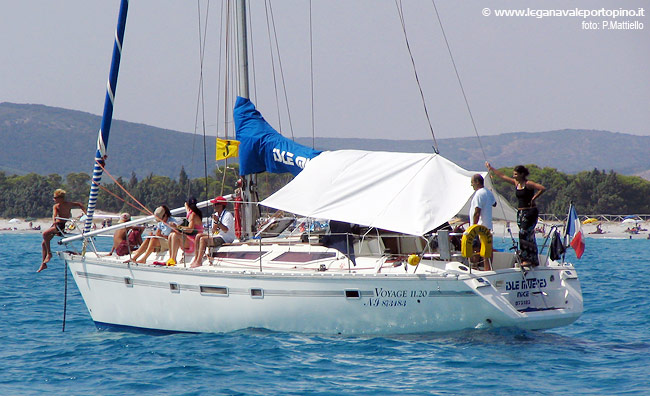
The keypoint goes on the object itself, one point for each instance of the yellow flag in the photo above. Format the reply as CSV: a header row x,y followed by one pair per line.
x,y
227,148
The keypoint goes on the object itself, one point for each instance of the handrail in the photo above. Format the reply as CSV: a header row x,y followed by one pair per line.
x,y
601,217
127,224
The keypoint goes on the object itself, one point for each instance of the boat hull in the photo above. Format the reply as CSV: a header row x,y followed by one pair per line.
x,y
189,300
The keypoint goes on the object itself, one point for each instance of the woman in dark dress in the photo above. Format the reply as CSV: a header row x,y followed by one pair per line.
x,y
527,192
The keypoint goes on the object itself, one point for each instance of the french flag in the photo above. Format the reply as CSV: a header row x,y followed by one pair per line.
x,y
574,229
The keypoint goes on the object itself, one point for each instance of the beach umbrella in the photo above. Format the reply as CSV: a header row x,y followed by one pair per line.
x,y
14,221
590,220
633,221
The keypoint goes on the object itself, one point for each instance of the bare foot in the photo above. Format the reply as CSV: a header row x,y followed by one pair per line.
x,y
42,267
47,259
141,261
194,264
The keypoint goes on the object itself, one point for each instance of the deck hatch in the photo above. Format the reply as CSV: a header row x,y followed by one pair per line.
x,y
223,291
241,255
303,257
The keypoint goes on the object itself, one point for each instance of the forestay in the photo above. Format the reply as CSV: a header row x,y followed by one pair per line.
x,y
411,193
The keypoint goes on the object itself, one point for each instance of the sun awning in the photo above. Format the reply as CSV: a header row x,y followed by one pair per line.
x,y
411,193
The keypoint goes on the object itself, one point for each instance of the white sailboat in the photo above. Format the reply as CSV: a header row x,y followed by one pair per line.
x,y
397,271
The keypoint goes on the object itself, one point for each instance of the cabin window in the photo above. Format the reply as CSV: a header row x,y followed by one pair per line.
x,y
241,255
303,257
257,293
353,294
223,291
128,281
174,287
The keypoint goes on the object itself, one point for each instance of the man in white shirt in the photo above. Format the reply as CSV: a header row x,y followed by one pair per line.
x,y
480,208
223,225
480,212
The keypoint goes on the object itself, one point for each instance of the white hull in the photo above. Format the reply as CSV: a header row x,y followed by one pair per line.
x,y
370,299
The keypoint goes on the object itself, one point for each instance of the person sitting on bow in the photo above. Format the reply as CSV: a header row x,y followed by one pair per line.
x,y
61,211
223,231
184,236
159,237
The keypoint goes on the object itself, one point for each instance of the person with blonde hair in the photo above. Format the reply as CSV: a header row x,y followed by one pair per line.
x,y
161,233
61,212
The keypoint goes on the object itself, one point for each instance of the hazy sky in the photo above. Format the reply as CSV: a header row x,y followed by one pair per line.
x,y
519,73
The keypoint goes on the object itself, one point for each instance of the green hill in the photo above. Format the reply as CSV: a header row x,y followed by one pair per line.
x,y
46,140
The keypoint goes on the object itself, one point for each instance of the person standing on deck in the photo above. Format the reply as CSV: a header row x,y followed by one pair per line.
x,y
527,192
480,210
61,211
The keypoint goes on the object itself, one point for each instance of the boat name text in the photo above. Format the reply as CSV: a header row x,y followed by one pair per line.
x,y
526,284
286,157
394,298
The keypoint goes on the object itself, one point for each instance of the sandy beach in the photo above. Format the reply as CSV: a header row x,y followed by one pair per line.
x,y
23,225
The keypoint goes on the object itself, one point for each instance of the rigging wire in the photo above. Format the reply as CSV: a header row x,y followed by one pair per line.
x,y
117,197
311,76
221,29
251,64
460,83
275,83
398,4
65,294
143,208
284,85
201,96
469,110
225,62
224,39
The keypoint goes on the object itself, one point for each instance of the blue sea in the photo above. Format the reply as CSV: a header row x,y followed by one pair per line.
x,y
606,352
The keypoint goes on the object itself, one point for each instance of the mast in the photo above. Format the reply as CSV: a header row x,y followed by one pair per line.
x,y
102,138
250,181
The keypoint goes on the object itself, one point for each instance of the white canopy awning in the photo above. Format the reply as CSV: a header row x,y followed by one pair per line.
x,y
411,193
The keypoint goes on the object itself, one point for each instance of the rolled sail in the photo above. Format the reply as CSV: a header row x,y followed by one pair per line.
x,y
262,148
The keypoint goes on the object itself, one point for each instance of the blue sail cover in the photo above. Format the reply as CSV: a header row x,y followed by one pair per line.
x,y
262,148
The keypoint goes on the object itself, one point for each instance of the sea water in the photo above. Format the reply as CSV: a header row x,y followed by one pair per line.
x,y
606,352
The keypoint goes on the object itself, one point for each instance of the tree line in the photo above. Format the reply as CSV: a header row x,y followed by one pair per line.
x,y
31,195
593,192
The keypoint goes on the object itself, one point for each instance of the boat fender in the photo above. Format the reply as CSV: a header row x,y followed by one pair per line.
x,y
413,259
470,235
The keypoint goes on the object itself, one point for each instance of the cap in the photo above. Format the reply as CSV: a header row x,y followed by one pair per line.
x,y
124,217
159,212
219,200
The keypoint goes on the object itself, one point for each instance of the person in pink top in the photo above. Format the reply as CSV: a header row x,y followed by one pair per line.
x,y
184,236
